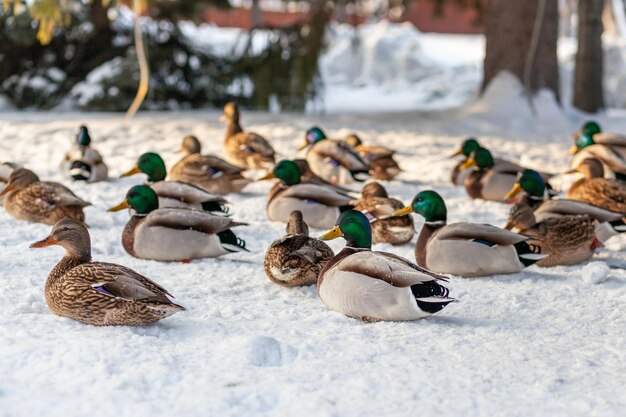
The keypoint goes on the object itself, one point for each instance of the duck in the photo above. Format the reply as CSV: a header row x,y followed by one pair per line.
x,y
536,197
378,207
484,181
176,193
592,142
207,171
174,234
380,158
568,239
28,198
469,145
308,176
82,162
6,168
376,286
99,293
594,189
296,259
334,160
246,150
467,249
320,204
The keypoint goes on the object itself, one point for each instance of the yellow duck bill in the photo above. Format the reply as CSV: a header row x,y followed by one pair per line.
x,y
134,170
468,163
121,206
456,153
403,211
270,175
303,145
333,233
514,191
572,150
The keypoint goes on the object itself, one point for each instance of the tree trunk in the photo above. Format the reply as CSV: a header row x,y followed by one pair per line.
x,y
509,27
588,93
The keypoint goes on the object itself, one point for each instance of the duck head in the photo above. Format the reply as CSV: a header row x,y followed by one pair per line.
x,y
82,137
20,179
287,171
428,204
70,234
151,164
313,135
191,145
480,158
354,227
141,198
468,146
530,182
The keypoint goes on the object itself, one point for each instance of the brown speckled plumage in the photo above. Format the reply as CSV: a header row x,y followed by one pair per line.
x,y
41,202
568,239
594,189
245,149
99,293
375,203
296,259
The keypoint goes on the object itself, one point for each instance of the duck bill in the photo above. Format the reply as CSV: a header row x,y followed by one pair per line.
x,y
333,233
270,175
303,145
572,150
468,163
121,206
134,170
456,153
403,211
6,189
49,241
514,191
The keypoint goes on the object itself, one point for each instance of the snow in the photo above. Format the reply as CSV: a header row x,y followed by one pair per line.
x,y
543,342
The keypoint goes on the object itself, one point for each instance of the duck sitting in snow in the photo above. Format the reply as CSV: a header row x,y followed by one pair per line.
x,y
380,158
174,234
333,160
320,204
207,171
176,193
467,249
609,148
375,286
28,198
462,170
82,162
378,207
594,189
296,259
99,293
535,196
246,150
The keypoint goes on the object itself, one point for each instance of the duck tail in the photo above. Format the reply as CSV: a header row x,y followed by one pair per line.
x,y
360,175
618,225
217,208
431,296
231,242
529,251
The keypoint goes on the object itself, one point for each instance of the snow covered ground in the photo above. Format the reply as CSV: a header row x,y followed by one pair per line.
x,y
545,342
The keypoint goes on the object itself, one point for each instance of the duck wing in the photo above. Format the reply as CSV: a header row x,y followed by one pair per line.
x,y
329,196
183,218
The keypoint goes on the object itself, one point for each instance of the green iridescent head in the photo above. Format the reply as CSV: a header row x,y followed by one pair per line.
x,y
287,171
430,205
532,183
584,140
482,158
591,127
314,135
152,165
82,137
469,145
354,227
142,199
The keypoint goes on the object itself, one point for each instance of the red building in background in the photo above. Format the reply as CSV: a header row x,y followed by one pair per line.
x,y
453,19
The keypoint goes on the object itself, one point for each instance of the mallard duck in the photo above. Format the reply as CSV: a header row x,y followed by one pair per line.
x,y
174,234
569,240
594,189
6,168
380,158
378,207
207,171
486,182
467,249
609,148
99,293
175,193
320,205
309,177
296,259
468,146
82,162
531,184
246,150
28,198
334,160
375,286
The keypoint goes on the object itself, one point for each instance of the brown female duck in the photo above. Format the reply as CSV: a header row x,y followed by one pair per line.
x,y
594,189
99,293
380,158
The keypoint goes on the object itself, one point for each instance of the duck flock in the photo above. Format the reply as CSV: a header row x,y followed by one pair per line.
x,y
181,215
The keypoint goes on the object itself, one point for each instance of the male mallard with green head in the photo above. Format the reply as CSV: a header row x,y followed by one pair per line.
x,y
99,293
176,193
320,204
591,142
467,249
174,234
375,286
333,160
485,181
82,162
296,259
207,171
